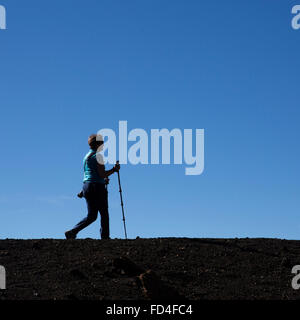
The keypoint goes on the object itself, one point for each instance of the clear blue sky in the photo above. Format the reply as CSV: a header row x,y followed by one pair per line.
x,y
69,68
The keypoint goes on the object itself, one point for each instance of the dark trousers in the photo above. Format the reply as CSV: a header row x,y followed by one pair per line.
x,y
95,195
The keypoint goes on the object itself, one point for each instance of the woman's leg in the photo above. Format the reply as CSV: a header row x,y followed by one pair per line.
x,y
103,208
104,231
92,206
90,218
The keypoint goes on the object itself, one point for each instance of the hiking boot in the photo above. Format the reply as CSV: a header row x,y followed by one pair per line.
x,y
70,235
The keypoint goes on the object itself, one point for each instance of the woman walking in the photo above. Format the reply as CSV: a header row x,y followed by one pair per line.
x,y
94,189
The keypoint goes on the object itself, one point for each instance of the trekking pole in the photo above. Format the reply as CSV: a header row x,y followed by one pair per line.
x,y
106,188
120,190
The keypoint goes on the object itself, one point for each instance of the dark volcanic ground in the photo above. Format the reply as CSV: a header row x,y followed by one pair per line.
x,y
119,270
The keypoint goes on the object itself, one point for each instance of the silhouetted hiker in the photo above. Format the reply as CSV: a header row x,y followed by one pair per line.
x,y
94,190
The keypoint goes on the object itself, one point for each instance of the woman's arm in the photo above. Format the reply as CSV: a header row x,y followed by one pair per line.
x,y
105,174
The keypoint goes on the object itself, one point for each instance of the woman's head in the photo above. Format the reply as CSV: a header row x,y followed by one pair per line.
x,y
95,141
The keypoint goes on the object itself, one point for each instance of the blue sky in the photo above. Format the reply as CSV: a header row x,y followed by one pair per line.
x,y
70,68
